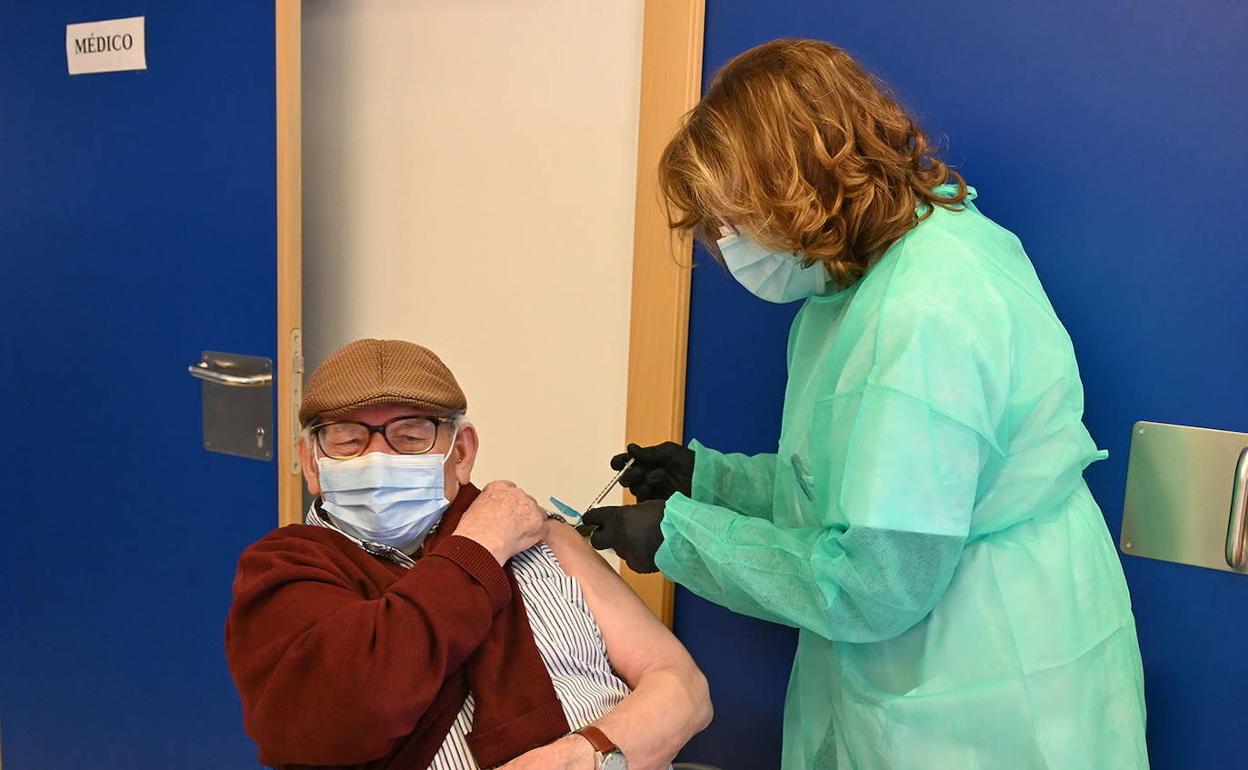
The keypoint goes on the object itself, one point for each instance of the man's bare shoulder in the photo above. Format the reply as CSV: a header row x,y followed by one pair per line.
x,y
575,555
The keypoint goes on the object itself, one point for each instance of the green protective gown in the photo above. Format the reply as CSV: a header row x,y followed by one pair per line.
x,y
926,525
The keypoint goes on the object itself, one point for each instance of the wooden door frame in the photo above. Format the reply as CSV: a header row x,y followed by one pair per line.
x,y
671,84
289,17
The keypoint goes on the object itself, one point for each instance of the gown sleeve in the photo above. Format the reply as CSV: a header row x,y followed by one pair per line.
x,y
743,482
893,509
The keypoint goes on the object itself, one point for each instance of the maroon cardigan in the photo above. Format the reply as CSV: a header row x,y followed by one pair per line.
x,y
344,659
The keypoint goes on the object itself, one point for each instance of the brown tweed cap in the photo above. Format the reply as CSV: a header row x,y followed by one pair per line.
x,y
368,372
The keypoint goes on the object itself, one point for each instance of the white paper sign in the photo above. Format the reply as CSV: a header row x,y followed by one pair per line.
x,y
106,46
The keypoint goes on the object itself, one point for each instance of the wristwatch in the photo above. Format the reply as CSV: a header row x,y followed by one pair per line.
x,y
609,756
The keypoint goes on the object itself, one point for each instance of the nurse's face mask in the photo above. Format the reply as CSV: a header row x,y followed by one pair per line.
x,y
775,276
391,499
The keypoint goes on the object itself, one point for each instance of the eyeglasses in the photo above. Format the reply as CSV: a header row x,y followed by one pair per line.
x,y
346,439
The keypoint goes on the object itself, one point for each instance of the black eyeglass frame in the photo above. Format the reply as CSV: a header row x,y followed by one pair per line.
x,y
438,422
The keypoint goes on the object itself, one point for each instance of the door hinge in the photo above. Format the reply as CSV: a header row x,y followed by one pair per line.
x,y
296,395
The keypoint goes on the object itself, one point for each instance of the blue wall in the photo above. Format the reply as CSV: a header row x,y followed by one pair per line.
x,y
137,227
1110,137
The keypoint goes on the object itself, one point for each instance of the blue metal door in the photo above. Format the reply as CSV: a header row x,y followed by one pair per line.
x,y
1109,137
137,228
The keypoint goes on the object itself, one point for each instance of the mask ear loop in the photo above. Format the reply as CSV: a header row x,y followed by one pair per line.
x,y
317,455
449,450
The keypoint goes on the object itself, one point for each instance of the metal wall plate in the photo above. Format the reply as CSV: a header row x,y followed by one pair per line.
x,y
1180,483
238,403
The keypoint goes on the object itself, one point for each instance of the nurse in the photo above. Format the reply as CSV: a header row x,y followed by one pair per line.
x,y
924,521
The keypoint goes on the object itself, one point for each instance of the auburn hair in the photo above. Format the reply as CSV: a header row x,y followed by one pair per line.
x,y
799,146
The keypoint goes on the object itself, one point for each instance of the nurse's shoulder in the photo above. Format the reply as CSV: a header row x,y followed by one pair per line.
x,y
937,312
938,270
967,255
958,263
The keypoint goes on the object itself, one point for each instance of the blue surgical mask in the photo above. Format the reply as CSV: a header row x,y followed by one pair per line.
x,y
776,276
393,500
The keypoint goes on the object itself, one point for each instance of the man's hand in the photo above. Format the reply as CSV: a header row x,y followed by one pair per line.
x,y
633,531
571,752
504,520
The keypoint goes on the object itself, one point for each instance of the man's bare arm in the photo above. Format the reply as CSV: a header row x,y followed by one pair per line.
x,y
670,702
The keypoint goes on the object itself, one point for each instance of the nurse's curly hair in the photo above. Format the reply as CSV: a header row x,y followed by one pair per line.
x,y
799,146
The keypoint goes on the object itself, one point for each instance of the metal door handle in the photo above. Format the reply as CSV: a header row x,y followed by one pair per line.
x,y
203,372
1235,551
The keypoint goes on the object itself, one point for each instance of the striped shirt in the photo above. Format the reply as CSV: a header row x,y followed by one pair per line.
x,y
567,636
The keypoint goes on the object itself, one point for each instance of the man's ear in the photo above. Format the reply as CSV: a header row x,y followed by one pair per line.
x,y
466,443
307,461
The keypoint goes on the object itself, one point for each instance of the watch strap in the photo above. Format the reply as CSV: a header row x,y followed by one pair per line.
x,y
598,739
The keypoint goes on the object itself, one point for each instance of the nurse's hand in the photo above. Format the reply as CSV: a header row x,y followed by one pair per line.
x,y
658,471
632,531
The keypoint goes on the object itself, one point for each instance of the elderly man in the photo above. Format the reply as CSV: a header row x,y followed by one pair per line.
x,y
415,622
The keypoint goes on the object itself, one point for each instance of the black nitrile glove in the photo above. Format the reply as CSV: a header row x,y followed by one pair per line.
x,y
632,531
658,471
